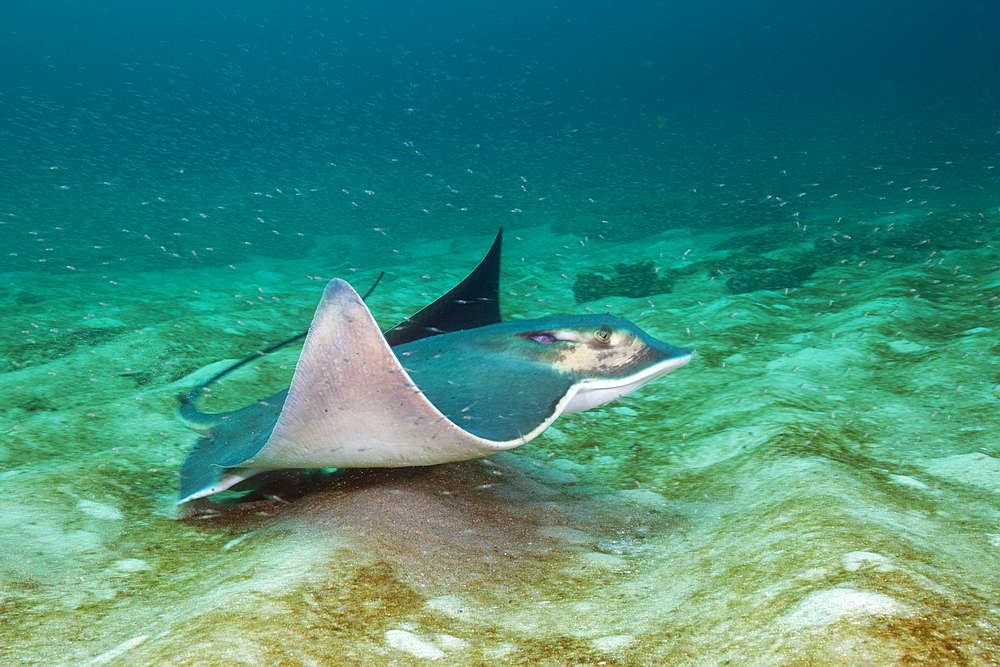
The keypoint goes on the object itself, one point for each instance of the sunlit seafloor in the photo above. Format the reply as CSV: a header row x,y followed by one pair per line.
x,y
818,486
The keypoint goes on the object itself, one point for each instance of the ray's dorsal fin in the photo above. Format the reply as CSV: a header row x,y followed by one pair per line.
x,y
473,303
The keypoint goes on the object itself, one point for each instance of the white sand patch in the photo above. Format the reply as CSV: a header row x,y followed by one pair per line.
x,y
407,642
453,606
566,465
822,608
601,561
99,511
904,480
117,651
132,565
857,560
205,372
554,476
55,540
906,346
724,444
450,642
975,469
816,360
612,643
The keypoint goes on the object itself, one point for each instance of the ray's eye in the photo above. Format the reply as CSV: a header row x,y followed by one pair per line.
x,y
603,335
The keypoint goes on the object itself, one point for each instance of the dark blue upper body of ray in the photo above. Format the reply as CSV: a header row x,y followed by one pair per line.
x,y
501,381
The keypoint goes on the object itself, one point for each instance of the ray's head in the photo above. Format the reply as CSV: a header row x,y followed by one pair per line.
x,y
608,356
600,346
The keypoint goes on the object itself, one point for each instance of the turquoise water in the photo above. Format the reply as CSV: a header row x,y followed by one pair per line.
x,y
818,486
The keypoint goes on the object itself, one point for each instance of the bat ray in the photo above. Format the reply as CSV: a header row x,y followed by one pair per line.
x,y
451,383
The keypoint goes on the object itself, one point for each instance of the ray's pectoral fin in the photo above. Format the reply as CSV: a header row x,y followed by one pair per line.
x,y
351,404
230,440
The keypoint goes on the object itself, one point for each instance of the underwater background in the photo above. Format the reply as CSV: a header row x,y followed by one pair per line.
x,y
806,193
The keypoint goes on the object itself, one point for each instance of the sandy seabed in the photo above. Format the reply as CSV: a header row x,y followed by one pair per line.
x,y
819,486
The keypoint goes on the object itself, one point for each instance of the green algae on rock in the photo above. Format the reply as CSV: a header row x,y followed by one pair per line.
x,y
635,281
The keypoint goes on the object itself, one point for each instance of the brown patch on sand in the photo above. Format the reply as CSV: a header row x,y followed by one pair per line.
x,y
507,521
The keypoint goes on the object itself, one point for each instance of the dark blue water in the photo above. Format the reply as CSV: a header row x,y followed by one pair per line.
x,y
190,124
